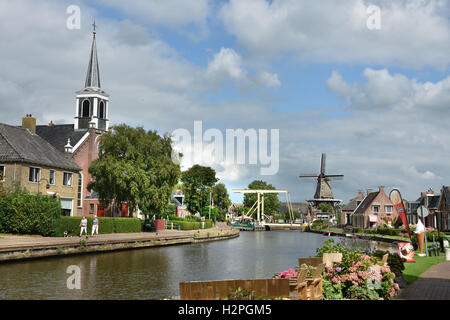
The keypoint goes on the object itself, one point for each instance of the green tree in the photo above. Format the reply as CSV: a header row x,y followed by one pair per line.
x,y
271,202
221,200
325,207
135,166
197,182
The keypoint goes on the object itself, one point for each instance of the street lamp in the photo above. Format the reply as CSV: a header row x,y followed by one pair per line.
x,y
47,186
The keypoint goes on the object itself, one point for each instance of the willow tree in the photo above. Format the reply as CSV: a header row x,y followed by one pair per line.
x,y
135,166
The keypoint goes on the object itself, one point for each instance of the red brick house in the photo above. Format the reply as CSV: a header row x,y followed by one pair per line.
x,y
350,207
372,210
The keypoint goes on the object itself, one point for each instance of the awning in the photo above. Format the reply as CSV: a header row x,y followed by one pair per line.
x,y
373,218
66,204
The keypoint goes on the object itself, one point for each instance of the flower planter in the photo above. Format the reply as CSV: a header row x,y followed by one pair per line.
x,y
160,224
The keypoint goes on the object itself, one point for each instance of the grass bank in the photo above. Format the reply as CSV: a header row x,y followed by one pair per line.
x,y
414,270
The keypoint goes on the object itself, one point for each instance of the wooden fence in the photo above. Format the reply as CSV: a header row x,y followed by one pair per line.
x,y
213,290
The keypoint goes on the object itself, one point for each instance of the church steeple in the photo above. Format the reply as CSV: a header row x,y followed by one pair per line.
x,y
93,74
92,106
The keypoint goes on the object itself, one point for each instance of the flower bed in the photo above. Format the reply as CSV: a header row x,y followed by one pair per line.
x,y
358,276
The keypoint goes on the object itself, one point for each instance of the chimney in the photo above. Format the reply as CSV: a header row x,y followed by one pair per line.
x,y
381,189
360,193
51,123
423,193
369,191
28,122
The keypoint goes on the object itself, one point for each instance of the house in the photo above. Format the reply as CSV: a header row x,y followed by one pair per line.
x,y
430,200
411,211
444,209
178,200
350,207
28,161
300,210
373,210
82,137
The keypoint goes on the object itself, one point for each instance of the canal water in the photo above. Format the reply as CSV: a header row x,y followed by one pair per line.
x,y
155,273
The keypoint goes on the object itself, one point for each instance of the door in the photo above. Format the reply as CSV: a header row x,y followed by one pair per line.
x,y
100,210
124,210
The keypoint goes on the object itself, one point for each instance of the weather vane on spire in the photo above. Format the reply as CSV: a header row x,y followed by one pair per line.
x,y
94,25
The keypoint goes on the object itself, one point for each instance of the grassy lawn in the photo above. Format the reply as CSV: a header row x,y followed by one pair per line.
x,y
414,270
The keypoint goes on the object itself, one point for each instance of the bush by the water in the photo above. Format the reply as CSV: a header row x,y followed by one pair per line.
x,y
319,225
379,230
191,225
25,213
105,225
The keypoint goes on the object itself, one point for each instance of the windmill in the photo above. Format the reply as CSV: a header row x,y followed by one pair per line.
x,y
323,190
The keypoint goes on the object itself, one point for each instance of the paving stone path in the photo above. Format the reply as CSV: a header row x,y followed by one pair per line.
x,y
433,284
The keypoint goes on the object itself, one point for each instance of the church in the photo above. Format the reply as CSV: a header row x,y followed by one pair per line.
x,y
80,140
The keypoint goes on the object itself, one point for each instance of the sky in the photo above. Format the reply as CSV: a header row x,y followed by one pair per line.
x,y
371,89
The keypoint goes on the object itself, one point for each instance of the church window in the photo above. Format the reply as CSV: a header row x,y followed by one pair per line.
x,y
85,109
101,112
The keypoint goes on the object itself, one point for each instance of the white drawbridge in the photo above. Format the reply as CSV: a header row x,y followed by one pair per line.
x,y
258,206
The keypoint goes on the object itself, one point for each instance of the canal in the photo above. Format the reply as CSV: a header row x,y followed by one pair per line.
x,y
155,273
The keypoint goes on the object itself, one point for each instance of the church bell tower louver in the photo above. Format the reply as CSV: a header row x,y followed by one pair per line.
x,y
92,103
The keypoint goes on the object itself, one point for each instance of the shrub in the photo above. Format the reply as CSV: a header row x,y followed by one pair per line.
x,y
126,225
106,225
25,213
357,230
319,225
193,225
358,276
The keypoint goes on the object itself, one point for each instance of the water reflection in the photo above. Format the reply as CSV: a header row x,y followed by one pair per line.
x,y
156,273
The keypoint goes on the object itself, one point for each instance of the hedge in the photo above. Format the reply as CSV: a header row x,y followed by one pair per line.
x,y
25,213
106,225
192,225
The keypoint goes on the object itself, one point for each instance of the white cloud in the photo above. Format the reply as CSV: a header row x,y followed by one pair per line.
x,y
269,80
394,92
169,13
229,65
413,33
226,63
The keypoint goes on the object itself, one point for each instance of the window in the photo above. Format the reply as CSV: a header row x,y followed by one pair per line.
x,y
80,188
101,110
388,209
2,173
376,209
51,179
34,174
85,109
67,179
91,208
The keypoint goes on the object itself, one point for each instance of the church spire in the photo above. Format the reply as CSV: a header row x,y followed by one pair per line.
x,y
93,74
92,107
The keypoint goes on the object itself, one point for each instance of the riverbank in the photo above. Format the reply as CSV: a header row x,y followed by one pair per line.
x,y
17,248
373,237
